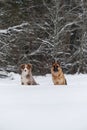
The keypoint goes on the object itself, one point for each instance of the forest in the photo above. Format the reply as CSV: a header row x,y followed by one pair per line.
x,y
41,31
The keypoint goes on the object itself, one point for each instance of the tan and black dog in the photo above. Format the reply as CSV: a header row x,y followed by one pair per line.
x,y
26,75
57,74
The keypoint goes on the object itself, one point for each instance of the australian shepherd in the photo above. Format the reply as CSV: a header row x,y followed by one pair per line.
x,y
26,75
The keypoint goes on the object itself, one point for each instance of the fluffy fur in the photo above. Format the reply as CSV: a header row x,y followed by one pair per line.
x,y
26,75
57,74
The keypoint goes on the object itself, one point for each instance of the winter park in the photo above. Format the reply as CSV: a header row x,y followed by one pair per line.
x,y
43,65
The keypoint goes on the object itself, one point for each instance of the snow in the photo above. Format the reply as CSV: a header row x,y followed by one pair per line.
x,y
3,31
44,106
17,28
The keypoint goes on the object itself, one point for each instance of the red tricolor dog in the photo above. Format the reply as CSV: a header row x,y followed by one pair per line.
x,y
26,75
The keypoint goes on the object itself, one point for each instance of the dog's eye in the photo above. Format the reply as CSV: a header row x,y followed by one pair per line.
x,y
22,66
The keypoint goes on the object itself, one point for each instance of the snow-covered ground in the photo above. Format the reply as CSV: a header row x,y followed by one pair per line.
x,y
44,106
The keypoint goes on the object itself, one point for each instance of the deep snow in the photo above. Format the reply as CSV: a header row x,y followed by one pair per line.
x,y
44,106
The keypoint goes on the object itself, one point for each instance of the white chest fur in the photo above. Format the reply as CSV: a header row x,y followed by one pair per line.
x,y
24,78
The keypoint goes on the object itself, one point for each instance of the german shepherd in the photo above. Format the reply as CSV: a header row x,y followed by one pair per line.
x,y
57,74
26,75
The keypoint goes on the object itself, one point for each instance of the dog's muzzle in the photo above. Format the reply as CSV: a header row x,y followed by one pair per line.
x,y
55,69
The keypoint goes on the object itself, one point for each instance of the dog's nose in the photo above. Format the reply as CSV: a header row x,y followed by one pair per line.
x,y
55,69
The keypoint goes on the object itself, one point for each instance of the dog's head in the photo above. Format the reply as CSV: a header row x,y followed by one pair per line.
x,y
55,66
26,68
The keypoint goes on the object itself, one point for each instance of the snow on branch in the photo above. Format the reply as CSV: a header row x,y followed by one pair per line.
x,y
17,28
69,24
46,42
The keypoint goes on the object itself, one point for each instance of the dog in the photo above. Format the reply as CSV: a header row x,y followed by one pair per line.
x,y
57,74
26,75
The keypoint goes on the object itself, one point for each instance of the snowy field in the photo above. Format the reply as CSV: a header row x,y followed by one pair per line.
x,y
45,106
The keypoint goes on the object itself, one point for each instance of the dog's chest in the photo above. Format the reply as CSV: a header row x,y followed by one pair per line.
x,y
25,79
58,79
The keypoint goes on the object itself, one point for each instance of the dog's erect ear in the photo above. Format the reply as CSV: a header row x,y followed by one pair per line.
x,y
58,63
55,61
22,66
29,66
